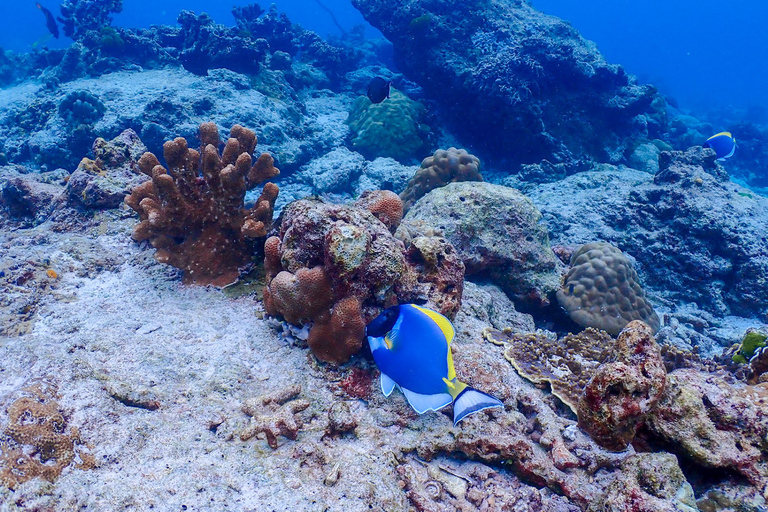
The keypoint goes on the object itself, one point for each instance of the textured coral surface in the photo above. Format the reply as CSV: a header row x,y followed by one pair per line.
x,y
193,212
444,166
602,290
339,265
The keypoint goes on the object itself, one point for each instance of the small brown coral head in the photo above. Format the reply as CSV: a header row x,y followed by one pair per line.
x,y
602,290
193,212
445,166
385,205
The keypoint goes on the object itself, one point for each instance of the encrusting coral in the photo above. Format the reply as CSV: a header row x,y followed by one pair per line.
x,y
623,391
193,213
611,385
566,364
36,442
338,265
602,290
445,166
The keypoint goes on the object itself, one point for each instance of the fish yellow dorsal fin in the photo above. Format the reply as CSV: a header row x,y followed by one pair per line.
x,y
443,323
727,134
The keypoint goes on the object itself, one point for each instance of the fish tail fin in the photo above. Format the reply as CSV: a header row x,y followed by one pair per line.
x,y
469,400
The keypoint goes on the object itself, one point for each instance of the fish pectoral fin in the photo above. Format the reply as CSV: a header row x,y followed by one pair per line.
x,y
423,403
387,384
471,401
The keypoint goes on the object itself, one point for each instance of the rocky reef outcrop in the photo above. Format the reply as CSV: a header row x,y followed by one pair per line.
x,y
696,235
531,87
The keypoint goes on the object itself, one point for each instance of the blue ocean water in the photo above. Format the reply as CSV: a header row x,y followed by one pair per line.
x,y
708,56
22,24
704,55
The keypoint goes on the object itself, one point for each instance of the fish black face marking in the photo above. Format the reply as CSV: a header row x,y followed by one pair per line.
x,y
382,324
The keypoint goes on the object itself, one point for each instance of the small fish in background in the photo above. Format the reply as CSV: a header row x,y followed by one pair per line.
x,y
412,348
378,89
50,21
723,143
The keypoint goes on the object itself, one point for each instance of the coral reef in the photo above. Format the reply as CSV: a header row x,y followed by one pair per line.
x,y
338,265
444,166
497,234
518,83
392,128
105,181
565,364
193,213
275,415
79,17
652,482
695,236
612,386
623,392
714,423
36,442
209,45
602,290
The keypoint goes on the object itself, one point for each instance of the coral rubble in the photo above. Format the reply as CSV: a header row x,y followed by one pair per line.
x,y
602,290
193,213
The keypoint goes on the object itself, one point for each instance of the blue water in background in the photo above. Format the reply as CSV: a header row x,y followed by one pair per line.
x,y
709,56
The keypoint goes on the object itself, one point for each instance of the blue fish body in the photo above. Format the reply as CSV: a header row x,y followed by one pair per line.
x,y
723,143
411,347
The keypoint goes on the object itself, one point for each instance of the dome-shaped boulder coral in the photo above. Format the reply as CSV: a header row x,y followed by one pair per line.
x,y
338,266
193,213
497,232
602,290
391,128
444,166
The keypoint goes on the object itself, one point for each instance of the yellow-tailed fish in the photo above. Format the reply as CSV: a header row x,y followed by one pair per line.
x,y
723,143
412,348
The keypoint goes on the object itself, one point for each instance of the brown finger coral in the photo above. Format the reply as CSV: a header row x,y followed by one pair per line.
x,y
602,290
445,166
337,266
193,213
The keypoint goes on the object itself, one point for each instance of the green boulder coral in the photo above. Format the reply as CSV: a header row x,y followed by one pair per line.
x,y
388,129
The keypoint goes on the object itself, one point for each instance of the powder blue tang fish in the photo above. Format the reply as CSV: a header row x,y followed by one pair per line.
x,y
412,348
723,143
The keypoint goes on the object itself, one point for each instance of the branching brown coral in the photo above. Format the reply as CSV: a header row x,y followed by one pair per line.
x,y
275,415
339,265
602,290
193,212
445,166
36,442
